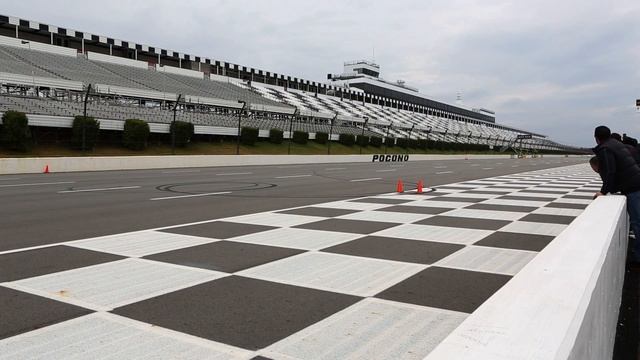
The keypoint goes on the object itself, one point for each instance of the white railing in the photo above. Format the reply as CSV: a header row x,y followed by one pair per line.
x,y
39,81
117,60
563,305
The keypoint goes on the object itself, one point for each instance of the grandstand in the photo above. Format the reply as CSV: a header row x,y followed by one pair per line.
x,y
46,70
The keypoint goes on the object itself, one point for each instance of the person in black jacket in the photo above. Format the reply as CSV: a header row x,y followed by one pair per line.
x,y
619,172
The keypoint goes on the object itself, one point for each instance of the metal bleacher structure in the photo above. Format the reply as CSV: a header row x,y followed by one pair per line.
x,y
49,82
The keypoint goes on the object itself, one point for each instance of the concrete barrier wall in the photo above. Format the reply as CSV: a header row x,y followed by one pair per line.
x,y
563,305
72,164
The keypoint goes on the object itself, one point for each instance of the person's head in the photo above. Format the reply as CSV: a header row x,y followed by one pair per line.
x,y
602,134
595,164
616,136
629,140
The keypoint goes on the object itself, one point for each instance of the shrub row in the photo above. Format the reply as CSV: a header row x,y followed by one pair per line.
x,y
136,134
15,131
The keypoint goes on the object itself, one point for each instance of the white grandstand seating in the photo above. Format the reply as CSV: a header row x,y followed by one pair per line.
x,y
46,67
19,60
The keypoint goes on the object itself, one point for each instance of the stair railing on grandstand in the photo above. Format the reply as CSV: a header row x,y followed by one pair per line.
x,y
333,121
173,126
244,106
294,117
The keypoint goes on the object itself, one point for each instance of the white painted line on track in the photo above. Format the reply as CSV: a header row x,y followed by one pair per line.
x,y
181,172
293,176
440,167
233,174
369,179
389,170
38,184
444,172
475,164
190,196
487,168
8,179
100,189
334,169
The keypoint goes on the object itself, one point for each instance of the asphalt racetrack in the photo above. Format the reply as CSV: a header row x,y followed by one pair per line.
x,y
39,209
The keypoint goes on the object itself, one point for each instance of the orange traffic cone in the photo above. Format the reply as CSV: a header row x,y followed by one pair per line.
x,y
400,187
420,187
46,169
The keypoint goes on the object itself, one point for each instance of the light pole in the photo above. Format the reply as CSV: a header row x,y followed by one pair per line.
x,y
295,116
244,105
333,120
386,138
409,137
173,125
84,120
366,120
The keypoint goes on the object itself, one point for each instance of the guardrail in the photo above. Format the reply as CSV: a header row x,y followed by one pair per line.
x,y
563,305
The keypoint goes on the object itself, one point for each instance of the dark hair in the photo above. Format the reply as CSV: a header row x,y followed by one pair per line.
x,y
602,133
594,161
616,136
629,140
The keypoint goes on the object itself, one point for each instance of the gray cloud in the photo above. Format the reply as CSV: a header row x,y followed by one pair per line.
x,y
559,68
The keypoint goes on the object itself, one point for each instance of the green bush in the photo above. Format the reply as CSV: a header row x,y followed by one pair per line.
x,y
423,144
249,136
276,136
402,142
87,126
183,132
135,135
413,143
362,140
300,137
16,134
347,139
375,141
322,137
389,141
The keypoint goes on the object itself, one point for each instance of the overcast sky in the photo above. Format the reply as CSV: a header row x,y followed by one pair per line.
x,y
556,67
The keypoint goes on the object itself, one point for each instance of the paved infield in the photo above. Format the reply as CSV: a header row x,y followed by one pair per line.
x,y
382,276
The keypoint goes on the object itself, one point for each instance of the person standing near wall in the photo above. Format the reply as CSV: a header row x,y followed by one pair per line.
x,y
619,172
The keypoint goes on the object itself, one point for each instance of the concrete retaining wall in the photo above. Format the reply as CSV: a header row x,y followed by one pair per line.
x,y
72,164
563,305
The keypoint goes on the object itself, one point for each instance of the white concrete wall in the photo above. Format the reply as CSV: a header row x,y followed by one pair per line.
x,y
34,45
117,60
563,305
71,164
